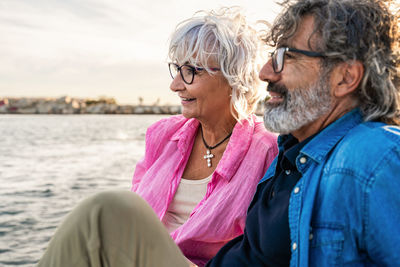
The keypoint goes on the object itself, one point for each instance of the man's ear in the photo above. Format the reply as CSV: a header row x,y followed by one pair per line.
x,y
346,77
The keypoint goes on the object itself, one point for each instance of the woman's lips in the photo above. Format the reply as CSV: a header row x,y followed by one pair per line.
x,y
185,100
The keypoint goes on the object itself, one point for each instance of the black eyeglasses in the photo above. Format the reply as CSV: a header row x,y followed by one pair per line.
x,y
278,56
187,71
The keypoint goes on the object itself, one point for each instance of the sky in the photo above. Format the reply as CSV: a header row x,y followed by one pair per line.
x,y
93,48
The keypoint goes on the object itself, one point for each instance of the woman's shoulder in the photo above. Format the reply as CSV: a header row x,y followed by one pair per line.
x,y
165,128
252,136
169,124
262,135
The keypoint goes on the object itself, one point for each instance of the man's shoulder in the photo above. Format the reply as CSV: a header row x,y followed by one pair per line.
x,y
366,148
372,136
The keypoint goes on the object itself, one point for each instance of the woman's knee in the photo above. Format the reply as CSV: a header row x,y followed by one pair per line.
x,y
115,203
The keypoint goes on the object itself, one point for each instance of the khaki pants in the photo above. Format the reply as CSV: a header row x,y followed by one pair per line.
x,y
112,229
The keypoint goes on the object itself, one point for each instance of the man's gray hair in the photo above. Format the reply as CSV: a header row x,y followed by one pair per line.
x,y
347,30
225,38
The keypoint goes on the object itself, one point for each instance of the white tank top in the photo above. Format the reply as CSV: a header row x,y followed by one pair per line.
x,y
187,196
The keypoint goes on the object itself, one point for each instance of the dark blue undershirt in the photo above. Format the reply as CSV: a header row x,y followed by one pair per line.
x,y
266,238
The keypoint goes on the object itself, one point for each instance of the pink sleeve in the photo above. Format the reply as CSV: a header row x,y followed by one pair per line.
x,y
156,137
142,164
140,170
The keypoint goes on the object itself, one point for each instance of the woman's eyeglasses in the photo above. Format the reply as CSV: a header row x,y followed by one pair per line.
x,y
187,71
278,56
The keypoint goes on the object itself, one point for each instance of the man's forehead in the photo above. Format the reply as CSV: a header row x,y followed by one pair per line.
x,y
304,36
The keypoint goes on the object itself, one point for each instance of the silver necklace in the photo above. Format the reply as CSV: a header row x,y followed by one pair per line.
x,y
209,155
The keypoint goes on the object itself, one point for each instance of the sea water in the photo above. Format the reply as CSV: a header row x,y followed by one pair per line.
x,y
48,163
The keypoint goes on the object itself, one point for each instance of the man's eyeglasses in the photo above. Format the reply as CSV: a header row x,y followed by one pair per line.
x,y
187,71
278,56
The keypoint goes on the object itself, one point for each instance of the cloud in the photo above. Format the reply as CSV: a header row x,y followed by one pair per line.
x,y
72,46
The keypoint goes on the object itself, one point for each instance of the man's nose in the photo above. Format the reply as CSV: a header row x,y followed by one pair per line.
x,y
267,73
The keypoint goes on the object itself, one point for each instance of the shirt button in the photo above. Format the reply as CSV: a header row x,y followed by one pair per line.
x,y
311,236
296,190
303,160
287,172
294,246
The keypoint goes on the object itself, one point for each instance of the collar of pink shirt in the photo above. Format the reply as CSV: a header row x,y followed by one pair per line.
x,y
237,147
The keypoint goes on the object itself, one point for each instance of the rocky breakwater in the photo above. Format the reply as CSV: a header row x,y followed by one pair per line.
x,y
68,105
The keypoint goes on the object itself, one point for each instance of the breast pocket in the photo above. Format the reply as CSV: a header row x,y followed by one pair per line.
x,y
326,245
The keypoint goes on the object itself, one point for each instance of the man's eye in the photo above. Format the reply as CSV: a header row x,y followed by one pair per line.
x,y
289,55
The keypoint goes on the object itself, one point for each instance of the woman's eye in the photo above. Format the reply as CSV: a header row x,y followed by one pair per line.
x,y
189,71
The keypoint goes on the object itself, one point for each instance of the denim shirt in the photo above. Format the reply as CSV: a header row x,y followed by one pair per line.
x,y
345,210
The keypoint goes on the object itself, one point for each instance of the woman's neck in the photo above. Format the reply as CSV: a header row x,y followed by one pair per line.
x,y
214,132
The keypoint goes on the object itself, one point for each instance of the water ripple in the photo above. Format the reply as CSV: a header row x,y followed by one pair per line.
x,y
49,163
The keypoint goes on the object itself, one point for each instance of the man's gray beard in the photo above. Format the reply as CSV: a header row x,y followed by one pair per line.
x,y
299,107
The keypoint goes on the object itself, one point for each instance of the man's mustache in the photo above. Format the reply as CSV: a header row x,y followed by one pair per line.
x,y
280,89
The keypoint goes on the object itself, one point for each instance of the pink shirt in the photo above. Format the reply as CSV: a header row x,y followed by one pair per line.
x,y
220,216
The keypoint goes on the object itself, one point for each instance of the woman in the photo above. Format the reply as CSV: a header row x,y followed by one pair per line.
x,y
201,168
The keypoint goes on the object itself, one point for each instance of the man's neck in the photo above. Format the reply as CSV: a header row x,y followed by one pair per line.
x,y
339,109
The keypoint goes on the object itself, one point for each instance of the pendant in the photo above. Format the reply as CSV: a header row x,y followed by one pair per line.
x,y
208,157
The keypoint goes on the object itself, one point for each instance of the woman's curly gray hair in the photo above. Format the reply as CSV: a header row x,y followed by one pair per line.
x,y
223,37
364,30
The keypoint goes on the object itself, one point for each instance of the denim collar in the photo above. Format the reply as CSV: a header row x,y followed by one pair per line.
x,y
291,147
318,148
323,142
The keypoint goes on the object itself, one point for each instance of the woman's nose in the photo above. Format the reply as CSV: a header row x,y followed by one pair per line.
x,y
177,84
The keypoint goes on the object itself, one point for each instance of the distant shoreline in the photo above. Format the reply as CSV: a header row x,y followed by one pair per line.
x,y
67,105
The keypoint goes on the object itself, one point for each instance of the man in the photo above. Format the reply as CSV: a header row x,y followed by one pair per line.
x,y
332,196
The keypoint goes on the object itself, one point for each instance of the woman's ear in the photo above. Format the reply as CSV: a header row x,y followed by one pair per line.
x,y
346,77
